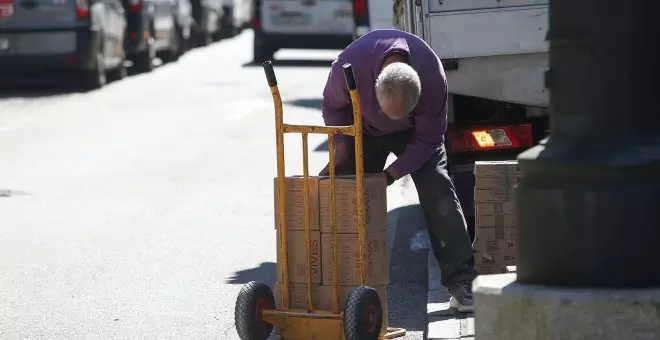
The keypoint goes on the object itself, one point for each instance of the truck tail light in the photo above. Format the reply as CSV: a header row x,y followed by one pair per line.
x,y
490,138
82,9
134,6
360,11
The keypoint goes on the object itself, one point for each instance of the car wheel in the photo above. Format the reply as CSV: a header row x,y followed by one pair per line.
x,y
119,72
175,52
96,77
202,39
144,61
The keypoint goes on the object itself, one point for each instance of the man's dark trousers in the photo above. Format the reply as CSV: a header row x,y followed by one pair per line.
x,y
444,217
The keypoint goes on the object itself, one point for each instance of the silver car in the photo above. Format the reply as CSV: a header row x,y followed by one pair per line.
x,y
84,38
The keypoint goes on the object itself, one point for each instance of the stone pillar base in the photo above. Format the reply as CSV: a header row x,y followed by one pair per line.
x,y
507,310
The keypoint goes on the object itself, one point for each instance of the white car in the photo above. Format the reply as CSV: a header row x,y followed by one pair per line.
x,y
305,24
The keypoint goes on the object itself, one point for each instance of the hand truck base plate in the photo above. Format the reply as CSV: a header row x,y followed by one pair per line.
x,y
298,324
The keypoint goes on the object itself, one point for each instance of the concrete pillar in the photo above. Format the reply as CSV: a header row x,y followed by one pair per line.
x,y
587,206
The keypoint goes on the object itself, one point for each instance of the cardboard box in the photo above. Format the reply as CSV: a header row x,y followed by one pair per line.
x,y
495,233
297,295
488,269
496,169
295,205
322,298
375,196
348,258
496,181
298,256
496,214
494,259
495,247
497,208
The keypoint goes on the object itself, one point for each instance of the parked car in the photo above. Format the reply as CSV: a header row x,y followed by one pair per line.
x,y
81,36
208,15
184,22
309,24
237,15
152,32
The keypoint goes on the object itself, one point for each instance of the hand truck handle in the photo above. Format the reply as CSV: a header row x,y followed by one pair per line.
x,y
270,73
348,74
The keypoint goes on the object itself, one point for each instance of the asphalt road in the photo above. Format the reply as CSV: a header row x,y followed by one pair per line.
x,y
138,210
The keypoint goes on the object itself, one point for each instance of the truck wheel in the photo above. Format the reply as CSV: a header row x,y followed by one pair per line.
x,y
96,78
253,299
363,314
263,52
144,61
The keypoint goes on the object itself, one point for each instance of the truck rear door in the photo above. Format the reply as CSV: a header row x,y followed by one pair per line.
x,y
333,17
476,28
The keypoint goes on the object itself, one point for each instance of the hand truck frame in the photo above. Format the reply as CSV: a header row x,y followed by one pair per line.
x,y
362,316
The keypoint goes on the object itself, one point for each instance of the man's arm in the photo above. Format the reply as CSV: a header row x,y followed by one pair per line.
x,y
430,125
337,107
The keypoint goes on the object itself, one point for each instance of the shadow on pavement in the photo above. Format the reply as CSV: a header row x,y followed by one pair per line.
x,y
37,89
306,103
9,193
264,273
293,63
408,278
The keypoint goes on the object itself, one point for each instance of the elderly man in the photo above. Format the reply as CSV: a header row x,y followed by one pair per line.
x,y
403,91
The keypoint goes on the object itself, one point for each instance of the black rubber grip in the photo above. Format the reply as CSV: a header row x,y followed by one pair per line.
x,y
270,73
350,77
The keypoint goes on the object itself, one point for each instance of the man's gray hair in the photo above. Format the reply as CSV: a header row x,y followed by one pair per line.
x,y
398,81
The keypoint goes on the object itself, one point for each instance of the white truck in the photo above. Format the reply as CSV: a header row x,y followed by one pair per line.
x,y
495,57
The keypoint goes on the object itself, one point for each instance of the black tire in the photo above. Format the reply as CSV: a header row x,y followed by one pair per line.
x,y
144,61
202,39
118,73
253,298
96,78
175,52
363,314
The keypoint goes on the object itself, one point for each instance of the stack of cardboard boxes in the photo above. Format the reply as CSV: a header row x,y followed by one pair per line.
x,y
495,229
348,251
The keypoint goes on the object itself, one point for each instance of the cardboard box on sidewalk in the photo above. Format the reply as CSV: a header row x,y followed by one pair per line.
x,y
375,196
295,206
298,256
322,297
495,221
494,259
495,181
488,269
496,247
348,258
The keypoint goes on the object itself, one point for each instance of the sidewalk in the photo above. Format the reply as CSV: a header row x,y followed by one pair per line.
x,y
443,323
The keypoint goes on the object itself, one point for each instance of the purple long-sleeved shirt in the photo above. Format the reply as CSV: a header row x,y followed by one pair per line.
x,y
429,118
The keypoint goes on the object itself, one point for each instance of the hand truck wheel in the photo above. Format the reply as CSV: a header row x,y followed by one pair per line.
x,y
363,314
253,299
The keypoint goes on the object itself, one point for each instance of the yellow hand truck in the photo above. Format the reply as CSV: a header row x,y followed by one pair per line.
x,y
362,317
